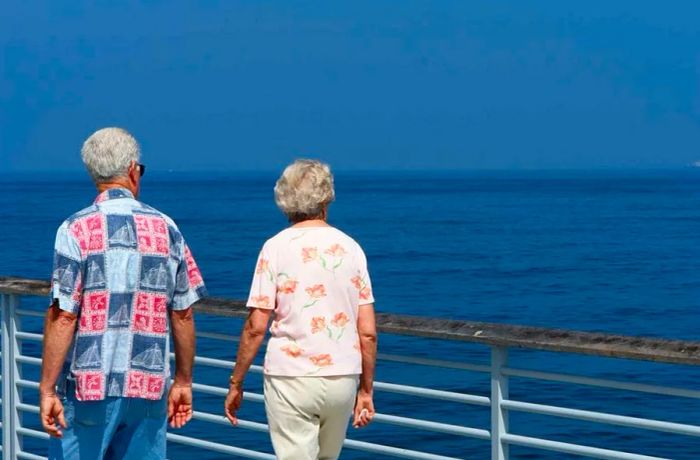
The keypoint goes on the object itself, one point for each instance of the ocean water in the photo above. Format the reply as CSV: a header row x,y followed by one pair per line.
x,y
613,251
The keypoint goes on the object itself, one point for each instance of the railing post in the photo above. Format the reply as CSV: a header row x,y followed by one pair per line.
x,y
11,396
499,392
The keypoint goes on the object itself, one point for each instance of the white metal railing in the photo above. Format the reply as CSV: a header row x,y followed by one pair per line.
x,y
498,435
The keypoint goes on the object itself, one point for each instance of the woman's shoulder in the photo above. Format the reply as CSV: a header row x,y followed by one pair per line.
x,y
330,235
344,239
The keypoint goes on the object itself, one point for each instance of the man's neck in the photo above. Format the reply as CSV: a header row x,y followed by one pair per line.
x,y
116,183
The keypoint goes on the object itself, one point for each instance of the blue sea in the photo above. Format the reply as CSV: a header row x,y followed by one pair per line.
x,y
611,251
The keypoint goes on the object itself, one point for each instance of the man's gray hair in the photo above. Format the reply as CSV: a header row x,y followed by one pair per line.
x,y
108,153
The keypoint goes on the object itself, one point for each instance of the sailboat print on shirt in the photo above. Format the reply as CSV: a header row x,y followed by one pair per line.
x,y
151,359
90,357
95,277
182,283
125,236
155,278
121,317
65,276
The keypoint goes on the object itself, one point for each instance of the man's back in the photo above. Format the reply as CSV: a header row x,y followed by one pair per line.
x,y
120,266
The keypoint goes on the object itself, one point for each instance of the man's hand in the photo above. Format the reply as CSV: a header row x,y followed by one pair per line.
x,y
364,409
233,403
51,415
179,405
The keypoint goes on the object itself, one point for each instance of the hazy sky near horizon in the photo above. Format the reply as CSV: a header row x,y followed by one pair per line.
x,y
362,84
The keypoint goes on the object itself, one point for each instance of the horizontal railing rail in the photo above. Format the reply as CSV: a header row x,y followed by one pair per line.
x,y
500,338
499,335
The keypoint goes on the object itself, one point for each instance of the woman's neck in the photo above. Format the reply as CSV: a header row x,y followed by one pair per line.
x,y
311,223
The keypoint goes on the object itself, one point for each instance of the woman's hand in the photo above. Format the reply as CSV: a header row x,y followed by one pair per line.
x,y
233,403
364,409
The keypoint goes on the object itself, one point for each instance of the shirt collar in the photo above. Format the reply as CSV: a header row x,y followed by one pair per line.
x,y
113,193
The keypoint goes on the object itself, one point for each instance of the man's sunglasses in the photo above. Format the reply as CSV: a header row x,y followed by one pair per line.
x,y
142,169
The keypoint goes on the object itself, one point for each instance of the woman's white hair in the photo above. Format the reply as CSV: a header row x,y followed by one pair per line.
x,y
108,153
304,190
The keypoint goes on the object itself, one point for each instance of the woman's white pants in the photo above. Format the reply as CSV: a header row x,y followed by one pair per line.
x,y
308,416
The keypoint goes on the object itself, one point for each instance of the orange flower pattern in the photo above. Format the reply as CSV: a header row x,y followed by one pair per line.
x,y
262,301
264,267
318,324
288,286
316,293
336,251
322,360
361,285
292,350
340,319
305,276
309,254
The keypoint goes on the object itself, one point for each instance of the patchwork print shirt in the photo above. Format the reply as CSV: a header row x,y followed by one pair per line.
x,y
121,266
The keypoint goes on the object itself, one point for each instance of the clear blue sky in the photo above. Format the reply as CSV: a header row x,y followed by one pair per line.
x,y
363,84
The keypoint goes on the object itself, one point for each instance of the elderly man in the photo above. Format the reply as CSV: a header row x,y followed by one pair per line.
x,y
123,277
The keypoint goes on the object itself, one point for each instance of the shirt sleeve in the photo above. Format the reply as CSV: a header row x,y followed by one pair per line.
x,y
67,274
189,284
263,291
362,281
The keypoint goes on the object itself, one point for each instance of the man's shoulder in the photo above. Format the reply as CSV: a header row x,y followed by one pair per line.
x,y
148,210
83,213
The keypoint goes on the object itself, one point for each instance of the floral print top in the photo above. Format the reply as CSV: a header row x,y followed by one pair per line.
x,y
314,278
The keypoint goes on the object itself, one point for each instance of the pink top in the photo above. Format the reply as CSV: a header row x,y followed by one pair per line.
x,y
314,278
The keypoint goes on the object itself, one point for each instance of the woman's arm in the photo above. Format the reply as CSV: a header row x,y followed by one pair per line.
x,y
252,336
367,330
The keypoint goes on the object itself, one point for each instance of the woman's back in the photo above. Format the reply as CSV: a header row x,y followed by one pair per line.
x,y
315,278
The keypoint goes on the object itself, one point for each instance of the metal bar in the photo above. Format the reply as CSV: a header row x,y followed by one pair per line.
x,y
574,449
433,426
434,394
217,336
217,447
490,334
28,360
602,417
25,312
33,433
380,356
499,414
28,456
604,383
28,408
212,390
434,362
12,395
392,451
390,387
30,336
27,384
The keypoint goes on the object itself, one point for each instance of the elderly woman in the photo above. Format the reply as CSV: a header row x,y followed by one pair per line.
x,y
312,280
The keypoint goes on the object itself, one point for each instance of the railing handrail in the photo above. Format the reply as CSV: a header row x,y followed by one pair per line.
x,y
493,334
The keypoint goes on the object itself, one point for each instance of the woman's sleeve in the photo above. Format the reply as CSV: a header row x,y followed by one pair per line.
x,y
263,290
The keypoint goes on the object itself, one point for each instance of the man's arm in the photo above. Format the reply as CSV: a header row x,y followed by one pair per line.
x,y
180,397
252,336
182,324
59,328
366,327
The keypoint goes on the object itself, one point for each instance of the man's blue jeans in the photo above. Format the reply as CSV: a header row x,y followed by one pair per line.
x,y
116,428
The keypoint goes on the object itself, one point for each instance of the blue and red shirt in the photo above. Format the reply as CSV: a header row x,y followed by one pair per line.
x,y
121,266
